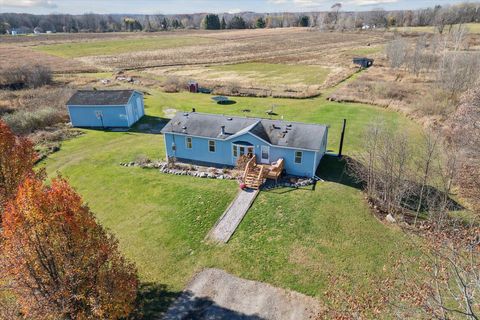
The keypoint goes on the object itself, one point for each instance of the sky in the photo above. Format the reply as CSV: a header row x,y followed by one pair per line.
x,y
213,6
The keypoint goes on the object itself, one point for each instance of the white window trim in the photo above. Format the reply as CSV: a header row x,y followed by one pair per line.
x,y
234,151
214,146
295,157
186,142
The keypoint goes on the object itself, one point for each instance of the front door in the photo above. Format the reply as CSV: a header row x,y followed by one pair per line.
x,y
265,156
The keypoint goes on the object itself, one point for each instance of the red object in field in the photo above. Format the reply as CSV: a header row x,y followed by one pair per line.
x,y
193,86
243,186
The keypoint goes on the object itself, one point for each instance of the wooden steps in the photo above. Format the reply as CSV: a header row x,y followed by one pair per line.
x,y
254,175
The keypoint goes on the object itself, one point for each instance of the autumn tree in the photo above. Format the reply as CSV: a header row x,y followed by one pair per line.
x,y
17,158
60,263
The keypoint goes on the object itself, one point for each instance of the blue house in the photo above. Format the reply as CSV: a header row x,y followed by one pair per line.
x,y
220,140
105,108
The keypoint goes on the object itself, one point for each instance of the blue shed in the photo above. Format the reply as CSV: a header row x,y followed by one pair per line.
x,y
220,140
105,108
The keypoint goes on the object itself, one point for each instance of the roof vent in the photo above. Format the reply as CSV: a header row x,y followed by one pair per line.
x,y
229,119
289,125
285,132
186,114
184,128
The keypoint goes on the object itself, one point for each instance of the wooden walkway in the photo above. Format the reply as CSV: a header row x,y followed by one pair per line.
x,y
231,218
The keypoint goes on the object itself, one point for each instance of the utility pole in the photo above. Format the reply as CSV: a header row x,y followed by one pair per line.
x,y
341,138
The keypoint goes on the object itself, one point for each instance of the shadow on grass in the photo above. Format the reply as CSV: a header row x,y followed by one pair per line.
x,y
155,301
187,306
149,124
227,102
334,169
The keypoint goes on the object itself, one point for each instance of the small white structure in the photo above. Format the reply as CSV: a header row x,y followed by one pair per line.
x,y
37,30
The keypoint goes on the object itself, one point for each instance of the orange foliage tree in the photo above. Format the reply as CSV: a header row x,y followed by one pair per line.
x,y
60,263
17,158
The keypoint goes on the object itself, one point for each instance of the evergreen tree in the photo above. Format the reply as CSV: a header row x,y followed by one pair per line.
x,y
211,22
260,23
304,21
164,24
223,24
237,22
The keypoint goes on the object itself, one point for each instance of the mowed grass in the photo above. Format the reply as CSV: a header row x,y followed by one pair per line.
x,y
292,238
315,110
272,73
111,47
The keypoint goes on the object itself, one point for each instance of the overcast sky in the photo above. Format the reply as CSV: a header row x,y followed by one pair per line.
x,y
194,6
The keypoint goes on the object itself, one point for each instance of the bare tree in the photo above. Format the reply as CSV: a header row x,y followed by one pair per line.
x,y
383,167
336,9
446,283
427,154
396,52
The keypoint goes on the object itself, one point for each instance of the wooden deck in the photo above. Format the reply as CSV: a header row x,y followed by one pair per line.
x,y
255,173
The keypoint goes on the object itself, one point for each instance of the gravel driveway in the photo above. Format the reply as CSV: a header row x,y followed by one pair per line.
x,y
215,294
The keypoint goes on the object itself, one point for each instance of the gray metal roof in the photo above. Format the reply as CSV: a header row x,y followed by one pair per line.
x,y
276,132
100,97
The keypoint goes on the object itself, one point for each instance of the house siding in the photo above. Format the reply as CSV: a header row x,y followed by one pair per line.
x,y
85,116
223,154
113,116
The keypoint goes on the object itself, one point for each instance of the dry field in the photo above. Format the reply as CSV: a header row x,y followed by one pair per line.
x,y
290,62
293,46
13,56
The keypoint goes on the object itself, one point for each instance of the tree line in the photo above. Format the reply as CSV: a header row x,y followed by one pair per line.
x,y
334,19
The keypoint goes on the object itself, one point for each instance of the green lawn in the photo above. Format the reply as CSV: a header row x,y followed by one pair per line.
x,y
272,73
290,238
365,51
315,110
110,47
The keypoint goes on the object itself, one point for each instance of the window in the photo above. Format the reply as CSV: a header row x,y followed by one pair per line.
x,y
188,142
298,156
242,150
211,145
235,151
250,152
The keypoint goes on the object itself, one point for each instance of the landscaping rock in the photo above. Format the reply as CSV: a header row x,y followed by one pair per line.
x,y
390,218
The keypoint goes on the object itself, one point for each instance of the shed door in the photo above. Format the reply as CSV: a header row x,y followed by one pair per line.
x,y
265,157
139,107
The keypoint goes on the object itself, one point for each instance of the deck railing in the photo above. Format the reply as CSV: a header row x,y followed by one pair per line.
x,y
250,164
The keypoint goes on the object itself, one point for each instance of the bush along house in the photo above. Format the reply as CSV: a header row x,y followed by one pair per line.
x,y
273,146
105,108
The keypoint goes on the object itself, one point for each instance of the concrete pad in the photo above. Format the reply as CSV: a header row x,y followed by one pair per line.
x,y
215,294
231,218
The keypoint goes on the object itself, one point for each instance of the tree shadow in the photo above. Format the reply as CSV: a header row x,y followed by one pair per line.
x,y
190,307
334,169
155,301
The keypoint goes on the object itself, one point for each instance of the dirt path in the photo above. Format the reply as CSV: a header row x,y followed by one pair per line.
x,y
231,218
215,294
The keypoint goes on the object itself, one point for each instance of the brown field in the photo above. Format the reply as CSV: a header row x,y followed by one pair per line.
x,y
290,62
292,47
13,56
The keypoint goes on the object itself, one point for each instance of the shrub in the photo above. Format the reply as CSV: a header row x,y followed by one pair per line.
x,y
25,122
173,84
31,77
